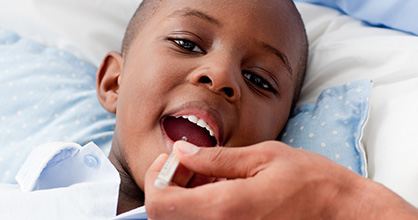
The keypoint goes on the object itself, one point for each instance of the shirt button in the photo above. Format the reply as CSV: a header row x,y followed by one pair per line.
x,y
91,161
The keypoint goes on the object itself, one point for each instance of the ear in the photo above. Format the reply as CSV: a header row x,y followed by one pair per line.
x,y
108,79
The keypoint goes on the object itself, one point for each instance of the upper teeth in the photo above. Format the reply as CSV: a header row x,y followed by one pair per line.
x,y
200,122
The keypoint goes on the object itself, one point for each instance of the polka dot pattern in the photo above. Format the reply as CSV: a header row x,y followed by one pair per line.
x,y
46,95
334,125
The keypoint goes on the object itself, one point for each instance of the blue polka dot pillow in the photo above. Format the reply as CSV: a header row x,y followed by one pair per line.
x,y
334,125
46,95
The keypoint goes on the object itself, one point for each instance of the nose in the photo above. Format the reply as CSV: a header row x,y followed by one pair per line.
x,y
221,78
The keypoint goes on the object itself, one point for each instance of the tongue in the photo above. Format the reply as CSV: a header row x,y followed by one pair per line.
x,y
177,128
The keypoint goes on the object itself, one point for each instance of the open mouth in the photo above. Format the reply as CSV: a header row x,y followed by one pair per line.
x,y
196,130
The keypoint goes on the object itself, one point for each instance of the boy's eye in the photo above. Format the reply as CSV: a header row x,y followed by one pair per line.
x,y
258,81
188,45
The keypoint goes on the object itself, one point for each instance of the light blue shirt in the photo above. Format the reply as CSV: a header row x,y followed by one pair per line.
x,y
65,181
401,15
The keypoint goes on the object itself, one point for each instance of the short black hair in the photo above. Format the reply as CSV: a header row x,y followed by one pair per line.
x,y
143,13
147,9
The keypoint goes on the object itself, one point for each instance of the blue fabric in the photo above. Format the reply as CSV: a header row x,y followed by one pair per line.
x,y
45,95
400,15
333,127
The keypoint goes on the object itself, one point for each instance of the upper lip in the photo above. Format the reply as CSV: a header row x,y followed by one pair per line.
x,y
201,111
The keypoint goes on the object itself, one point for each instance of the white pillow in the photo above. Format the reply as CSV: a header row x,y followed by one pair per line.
x,y
85,28
343,49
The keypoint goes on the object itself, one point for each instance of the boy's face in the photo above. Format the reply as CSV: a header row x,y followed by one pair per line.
x,y
232,64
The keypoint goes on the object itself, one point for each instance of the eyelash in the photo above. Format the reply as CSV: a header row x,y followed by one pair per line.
x,y
188,45
258,81
253,78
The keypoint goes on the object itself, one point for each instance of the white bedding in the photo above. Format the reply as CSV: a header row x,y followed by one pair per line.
x,y
342,50
88,29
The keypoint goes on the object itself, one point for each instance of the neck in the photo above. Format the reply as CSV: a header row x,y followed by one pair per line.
x,y
130,195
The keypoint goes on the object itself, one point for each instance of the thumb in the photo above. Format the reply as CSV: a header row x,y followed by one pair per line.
x,y
222,162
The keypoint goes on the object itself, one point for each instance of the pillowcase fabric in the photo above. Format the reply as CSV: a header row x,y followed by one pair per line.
x,y
333,126
46,95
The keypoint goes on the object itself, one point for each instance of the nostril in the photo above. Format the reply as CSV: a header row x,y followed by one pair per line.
x,y
205,79
228,91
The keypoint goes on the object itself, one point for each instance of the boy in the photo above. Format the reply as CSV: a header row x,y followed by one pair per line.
x,y
221,73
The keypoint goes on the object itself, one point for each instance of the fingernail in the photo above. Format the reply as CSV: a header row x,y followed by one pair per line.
x,y
187,148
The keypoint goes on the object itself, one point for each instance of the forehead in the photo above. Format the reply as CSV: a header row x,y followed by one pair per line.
x,y
264,11
221,5
273,21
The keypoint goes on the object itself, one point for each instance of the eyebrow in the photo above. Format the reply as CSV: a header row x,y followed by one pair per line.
x,y
185,12
279,54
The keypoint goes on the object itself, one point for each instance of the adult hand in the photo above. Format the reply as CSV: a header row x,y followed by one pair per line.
x,y
268,180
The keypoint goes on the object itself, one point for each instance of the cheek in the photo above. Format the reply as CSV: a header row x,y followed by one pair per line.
x,y
154,76
264,121
148,79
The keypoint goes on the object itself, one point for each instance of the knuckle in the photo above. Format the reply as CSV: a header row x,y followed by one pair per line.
x,y
266,150
216,156
271,149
